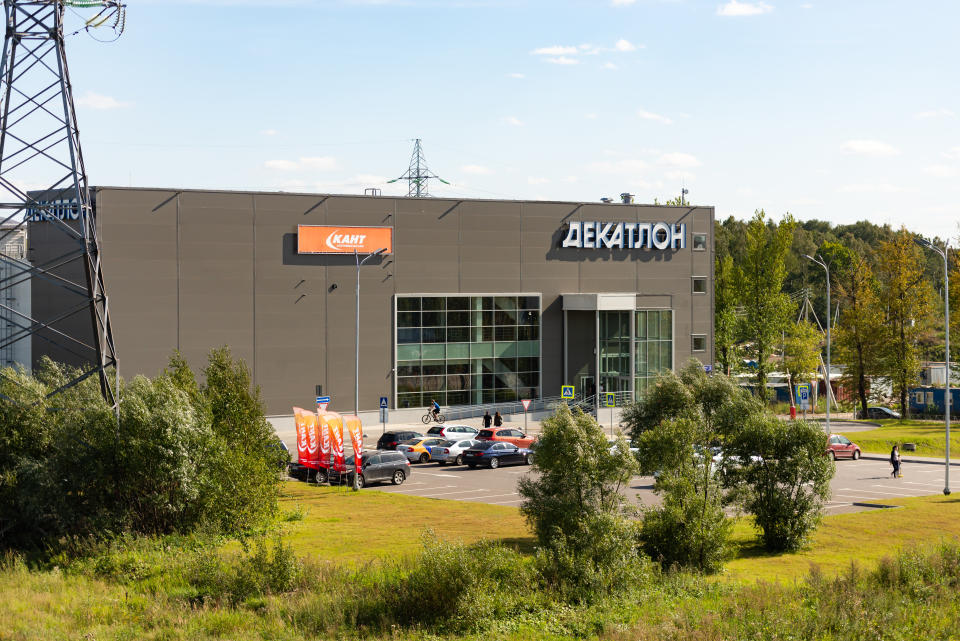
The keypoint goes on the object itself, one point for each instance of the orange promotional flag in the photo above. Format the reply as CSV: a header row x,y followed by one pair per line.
x,y
313,442
299,421
335,425
355,428
324,428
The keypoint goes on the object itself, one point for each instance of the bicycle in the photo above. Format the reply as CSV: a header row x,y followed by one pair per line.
x,y
426,418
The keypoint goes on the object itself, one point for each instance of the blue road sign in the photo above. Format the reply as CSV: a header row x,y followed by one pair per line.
x,y
383,402
803,396
566,391
323,399
610,399
708,368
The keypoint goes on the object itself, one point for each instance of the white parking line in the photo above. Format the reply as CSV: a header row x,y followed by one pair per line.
x,y
430,496
418,489
492,496
507,502
448,476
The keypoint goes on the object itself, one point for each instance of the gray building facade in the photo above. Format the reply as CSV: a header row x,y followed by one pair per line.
x,y
480,301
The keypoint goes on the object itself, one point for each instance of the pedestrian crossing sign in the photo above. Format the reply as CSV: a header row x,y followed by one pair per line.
x,y
566,391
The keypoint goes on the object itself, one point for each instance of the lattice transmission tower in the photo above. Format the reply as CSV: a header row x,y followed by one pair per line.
x,y
43,186
418,174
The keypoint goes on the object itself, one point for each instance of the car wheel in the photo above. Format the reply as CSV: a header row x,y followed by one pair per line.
x,y
472,466
322,476
494,463
526,460
856,454
458,460
360,481
424,457
833,455
399,477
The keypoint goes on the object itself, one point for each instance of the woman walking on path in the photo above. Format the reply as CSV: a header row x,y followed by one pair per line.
x,y
895,461
497,420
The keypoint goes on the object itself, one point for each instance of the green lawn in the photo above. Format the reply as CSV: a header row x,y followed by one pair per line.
x,y
927,435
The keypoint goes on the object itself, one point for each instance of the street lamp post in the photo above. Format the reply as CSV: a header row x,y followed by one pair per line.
x,y
926,244
356,389
826,268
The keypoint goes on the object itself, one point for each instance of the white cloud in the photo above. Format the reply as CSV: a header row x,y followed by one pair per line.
x,y
942,112
556,50
953,154
735,8
649,115
518,76
570,179
870,188
315,163
610,65
269,132
590,116
624,166
513,120
869,148
622,3
806,5
680,175
563,60
535,180
943,171
478,170
625,45
98,101
678,159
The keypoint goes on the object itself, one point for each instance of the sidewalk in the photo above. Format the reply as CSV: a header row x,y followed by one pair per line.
x,y
907,458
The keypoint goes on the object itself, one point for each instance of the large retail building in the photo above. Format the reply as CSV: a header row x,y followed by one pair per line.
x,y
477,301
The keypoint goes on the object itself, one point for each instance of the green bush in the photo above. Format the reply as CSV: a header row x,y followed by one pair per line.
x,y
266,570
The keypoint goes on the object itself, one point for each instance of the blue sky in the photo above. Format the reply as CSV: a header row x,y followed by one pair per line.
x,y
838,110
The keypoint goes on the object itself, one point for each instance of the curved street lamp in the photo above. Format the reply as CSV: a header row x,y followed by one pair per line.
x,y
826,268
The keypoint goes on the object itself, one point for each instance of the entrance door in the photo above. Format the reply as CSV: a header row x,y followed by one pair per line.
x,y
587,387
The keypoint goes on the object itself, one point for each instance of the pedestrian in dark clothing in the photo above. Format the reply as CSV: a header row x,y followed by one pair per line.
x,y
497,420
895,461
486,419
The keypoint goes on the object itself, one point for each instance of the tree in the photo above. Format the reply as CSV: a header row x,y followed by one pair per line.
x,y
576,509
801,351
724,312
760,277
857,339
907,294
784,476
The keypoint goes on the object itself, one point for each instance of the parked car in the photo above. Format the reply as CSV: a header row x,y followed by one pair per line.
x,y
878,413
451,451
841,447
493,454
507,435
416,448
453,431
376,467
389,440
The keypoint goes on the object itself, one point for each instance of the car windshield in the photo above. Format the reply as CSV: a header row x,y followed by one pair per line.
x,y
447,443
484,445
435,430
412,441
485,433
349,461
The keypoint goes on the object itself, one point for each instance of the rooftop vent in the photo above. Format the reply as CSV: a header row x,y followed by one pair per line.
x,y
626,199
606,200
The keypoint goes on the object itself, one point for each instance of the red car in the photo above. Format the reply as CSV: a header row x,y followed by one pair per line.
x,y
506,434
841,447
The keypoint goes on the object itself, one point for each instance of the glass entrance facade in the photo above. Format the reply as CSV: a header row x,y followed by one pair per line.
x,y
463,350
652,346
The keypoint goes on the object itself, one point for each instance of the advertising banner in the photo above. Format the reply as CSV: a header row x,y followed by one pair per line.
x,y
308,453
324,428
355,428
324,239
335,426
301,435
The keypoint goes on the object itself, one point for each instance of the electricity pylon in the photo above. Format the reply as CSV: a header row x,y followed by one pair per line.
x,y
418,174
43,185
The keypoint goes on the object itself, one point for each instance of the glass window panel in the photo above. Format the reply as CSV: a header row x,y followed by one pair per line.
x,y
433,383
432,368
528,364
528,348
528,392
438,396
433,319
699,343
408,384
458,319
489,365
528,333
488,381
508,350
456,382
433,351
505,395
505,333
434,335
408,319
529,302
653,359
699,285
458,398
529,317
488,334
641,359
408,335
408,368
458,334
665,355
505,317
408,352
481,350
458,303
641,325
506,365
408,304
433,304
458,366
488,302
653,325
528,379
505,302
476,302
699,242
457,350
488,396
408,400
505,381
666,324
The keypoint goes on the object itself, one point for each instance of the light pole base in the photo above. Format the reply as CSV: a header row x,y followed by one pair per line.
x,y
946,491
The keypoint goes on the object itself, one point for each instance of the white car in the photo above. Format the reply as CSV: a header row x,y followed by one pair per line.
x,y
451,451
453,431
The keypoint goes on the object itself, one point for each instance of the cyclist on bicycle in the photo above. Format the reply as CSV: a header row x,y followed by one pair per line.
x,y
436,409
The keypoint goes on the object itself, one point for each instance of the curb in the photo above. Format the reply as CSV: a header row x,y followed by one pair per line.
x,y
906,459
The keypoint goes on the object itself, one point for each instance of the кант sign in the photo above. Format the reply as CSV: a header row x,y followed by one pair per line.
x,y
326,239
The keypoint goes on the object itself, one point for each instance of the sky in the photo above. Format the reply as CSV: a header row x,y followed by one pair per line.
x,y
838,110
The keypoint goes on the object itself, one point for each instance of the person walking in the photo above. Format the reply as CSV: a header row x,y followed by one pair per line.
x,y
487,419
895,462
497,420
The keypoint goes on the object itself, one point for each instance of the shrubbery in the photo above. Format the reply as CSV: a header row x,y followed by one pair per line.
x,y
179,456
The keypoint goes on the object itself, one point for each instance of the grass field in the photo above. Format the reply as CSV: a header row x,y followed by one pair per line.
x,y
927,435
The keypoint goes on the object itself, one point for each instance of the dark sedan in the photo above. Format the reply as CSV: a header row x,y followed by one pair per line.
x,y
377,467
493,454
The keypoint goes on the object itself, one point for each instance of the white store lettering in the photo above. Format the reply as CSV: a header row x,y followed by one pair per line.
x,y
602,235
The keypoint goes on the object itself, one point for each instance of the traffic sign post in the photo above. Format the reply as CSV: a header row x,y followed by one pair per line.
x,y
322,402
526,406
610,400
383,415
803,397
566,392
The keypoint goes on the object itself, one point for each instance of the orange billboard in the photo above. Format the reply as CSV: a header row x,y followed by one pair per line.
x,y
325,239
